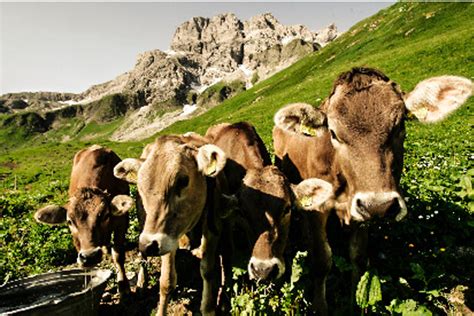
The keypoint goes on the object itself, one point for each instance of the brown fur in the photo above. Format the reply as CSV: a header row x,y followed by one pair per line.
x,y
365,114
89,211
264,192
174,209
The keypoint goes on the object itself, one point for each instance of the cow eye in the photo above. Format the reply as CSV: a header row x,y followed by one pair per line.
x,y
334,136
181,184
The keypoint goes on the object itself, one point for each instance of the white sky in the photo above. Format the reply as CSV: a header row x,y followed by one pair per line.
x,y
67,47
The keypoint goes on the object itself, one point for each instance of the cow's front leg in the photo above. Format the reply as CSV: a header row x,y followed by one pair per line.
x,y
142,279
167,281
358,254
118,256
322,257
210,274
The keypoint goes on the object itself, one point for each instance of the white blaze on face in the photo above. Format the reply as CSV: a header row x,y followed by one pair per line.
x,y
364,202
263,264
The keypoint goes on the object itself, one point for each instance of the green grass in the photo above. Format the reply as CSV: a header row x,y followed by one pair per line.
x,y
426,256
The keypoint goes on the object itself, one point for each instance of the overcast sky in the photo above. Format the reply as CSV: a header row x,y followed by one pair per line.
x,y
67,47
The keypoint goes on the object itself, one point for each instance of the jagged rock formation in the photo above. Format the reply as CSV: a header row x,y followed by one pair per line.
x,y
207,50
203,52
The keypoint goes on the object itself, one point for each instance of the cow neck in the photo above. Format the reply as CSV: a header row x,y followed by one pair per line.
x,y
209,208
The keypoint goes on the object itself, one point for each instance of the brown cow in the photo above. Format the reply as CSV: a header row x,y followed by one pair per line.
x,y
355,141
181,185
98,206
265,195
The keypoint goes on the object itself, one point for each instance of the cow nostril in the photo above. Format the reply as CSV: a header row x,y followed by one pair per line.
x,y
359,202
252,267
152,249
274,272
82,257
393,209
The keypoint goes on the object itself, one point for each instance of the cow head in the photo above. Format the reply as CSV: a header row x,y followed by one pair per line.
x,y
267,197
171,181
88,215
365,116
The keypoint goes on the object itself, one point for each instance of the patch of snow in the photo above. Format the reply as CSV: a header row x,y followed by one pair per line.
x,y
287,39
24,100
171,52
70,102
188,109
247,72
200,89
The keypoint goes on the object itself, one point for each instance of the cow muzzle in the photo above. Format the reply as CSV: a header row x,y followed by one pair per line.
x,y
90,257
156,244
366,205
266,269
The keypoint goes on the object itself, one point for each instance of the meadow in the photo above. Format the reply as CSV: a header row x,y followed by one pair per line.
x,y
420,266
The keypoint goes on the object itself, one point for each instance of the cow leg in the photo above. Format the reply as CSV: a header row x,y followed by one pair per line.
x,y
322,259
358,255
210,274
142,279
226,249
118,256
167,281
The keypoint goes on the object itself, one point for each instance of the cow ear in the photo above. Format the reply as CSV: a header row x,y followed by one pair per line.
x,y
127,170
51,214
435,98
312,194
121,204
301,118
210,160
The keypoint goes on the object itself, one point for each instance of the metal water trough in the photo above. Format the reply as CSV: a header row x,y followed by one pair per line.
x,y
68,292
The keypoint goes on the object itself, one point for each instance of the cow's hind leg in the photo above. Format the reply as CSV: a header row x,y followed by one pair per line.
x,y
358,254
167,281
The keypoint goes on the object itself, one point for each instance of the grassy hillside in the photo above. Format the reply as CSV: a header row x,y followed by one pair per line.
x,y
423,261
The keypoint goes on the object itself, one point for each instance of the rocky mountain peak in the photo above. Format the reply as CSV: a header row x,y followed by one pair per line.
x,y
203,52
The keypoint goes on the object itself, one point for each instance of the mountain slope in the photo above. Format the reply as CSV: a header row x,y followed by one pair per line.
x,y
409,42
206,53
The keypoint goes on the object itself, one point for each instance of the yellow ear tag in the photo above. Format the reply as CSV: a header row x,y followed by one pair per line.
x,y
132,176
421,113
308,130
306,201
211,169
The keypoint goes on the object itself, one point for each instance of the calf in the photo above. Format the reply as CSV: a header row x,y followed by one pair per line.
x,y
265,195
355,141
98,206
181,187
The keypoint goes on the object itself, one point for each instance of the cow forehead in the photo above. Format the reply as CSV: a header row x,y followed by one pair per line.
x,y
164,162
86,203
269,181
374,109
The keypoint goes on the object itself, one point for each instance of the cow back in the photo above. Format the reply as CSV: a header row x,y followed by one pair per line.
x,y
93,168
